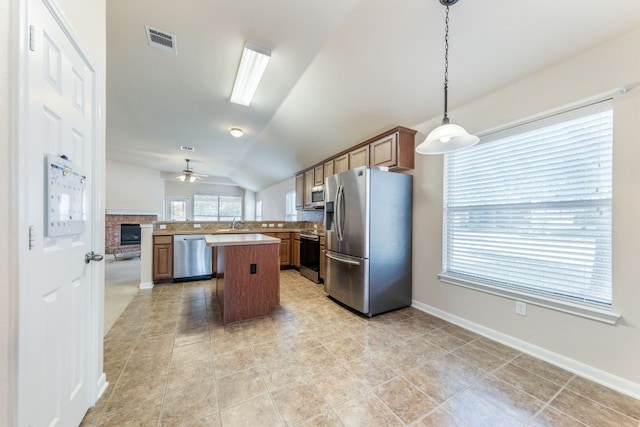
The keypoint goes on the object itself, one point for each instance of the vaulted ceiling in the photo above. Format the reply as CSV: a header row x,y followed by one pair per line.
x,y
341,71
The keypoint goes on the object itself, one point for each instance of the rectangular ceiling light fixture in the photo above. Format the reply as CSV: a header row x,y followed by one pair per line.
x,y
253,63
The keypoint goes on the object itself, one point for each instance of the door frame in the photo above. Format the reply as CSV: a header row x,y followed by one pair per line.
x,y
19,240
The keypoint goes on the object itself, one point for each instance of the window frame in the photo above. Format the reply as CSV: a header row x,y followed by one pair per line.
x,y
599,313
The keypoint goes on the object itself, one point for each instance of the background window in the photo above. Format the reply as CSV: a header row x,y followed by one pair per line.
x,y
207,207
528,211
290,213
177,209
259,210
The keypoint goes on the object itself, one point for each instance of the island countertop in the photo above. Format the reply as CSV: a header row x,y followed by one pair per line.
x,y
239,239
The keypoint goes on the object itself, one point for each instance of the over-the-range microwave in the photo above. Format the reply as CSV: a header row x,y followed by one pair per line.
x,y
317,196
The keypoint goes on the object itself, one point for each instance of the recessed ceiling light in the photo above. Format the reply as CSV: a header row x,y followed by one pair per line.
x,y
237,132
253,63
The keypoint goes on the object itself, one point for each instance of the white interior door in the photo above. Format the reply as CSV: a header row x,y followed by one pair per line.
x,y
56,288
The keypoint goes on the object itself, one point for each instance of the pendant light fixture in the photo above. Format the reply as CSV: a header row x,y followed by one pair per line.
x,y
447,137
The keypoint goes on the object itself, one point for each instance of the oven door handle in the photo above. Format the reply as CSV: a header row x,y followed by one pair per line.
x,y
340,259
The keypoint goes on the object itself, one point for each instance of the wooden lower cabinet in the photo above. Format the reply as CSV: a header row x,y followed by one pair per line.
x,y
162,258
295,251
285,247
323,265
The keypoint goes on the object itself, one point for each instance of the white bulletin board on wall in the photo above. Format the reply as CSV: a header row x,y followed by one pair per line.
x,y
66,197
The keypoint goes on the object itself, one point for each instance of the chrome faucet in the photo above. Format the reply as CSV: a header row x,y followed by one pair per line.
x,y
233,223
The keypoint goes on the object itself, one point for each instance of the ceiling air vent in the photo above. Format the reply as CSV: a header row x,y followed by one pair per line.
x,y
162,40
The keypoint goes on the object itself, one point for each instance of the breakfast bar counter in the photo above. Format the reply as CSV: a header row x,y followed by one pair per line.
x,y
248,275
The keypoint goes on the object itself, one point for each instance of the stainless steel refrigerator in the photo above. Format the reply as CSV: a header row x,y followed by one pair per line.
x,y
368,239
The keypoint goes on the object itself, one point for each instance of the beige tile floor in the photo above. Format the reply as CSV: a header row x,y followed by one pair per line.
x,y
170,362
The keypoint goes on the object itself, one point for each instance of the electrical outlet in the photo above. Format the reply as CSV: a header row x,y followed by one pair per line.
x,y
521,308
271,225
280,225
196,225
163,226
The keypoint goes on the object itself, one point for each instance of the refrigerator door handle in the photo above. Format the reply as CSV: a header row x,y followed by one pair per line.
x,y
340,213
340,259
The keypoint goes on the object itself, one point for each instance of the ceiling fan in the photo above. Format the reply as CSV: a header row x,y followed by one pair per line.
x,y
188,175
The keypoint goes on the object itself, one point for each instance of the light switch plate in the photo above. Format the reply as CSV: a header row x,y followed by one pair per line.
x,y
521,308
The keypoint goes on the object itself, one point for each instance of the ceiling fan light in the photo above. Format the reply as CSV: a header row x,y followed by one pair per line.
x,y
446,139
236,132
192,178
181,177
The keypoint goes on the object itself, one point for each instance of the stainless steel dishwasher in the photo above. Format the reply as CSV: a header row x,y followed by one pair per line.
x,y
191,257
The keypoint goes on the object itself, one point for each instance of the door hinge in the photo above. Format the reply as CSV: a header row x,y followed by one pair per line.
x,y
31,236
32,36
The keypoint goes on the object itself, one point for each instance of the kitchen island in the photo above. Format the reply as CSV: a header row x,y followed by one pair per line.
x,y
247,276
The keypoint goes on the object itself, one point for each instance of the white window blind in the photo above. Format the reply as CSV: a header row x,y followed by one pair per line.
x,y
528,211
290,212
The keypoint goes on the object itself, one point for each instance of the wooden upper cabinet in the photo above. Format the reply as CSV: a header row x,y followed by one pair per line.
x,y
396,151
318,175
300,191
328,169
359,157
341,164
309,181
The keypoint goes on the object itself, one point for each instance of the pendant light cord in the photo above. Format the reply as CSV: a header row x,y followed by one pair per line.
x,y
445,119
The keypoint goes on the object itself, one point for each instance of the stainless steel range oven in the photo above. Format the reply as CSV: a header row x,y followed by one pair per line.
x,y
310,255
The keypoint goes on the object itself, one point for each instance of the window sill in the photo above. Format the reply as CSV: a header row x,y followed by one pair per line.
x,y
591,313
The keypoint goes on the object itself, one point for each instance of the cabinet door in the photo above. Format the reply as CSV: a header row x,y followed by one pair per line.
x,y
341,164
299,191
359,157
308,186
318,175
162,262
384,152
328,169
285,252
295,251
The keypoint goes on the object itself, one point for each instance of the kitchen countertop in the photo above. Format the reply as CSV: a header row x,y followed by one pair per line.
x,y
239,239
225,231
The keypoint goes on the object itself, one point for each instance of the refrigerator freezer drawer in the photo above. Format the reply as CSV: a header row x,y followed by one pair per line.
x,y
347,280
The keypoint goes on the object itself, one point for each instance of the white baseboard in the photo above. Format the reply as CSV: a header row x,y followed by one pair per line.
x,y
146,285
594,374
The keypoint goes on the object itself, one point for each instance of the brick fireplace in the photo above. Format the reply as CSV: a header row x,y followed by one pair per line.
x,y
112,229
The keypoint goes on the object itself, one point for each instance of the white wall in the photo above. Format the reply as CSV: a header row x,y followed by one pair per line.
x,y
273,199
133,188
608,354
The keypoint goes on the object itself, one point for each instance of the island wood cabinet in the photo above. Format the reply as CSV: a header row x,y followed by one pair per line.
x,y
162,258
323,265
285,247
295,250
